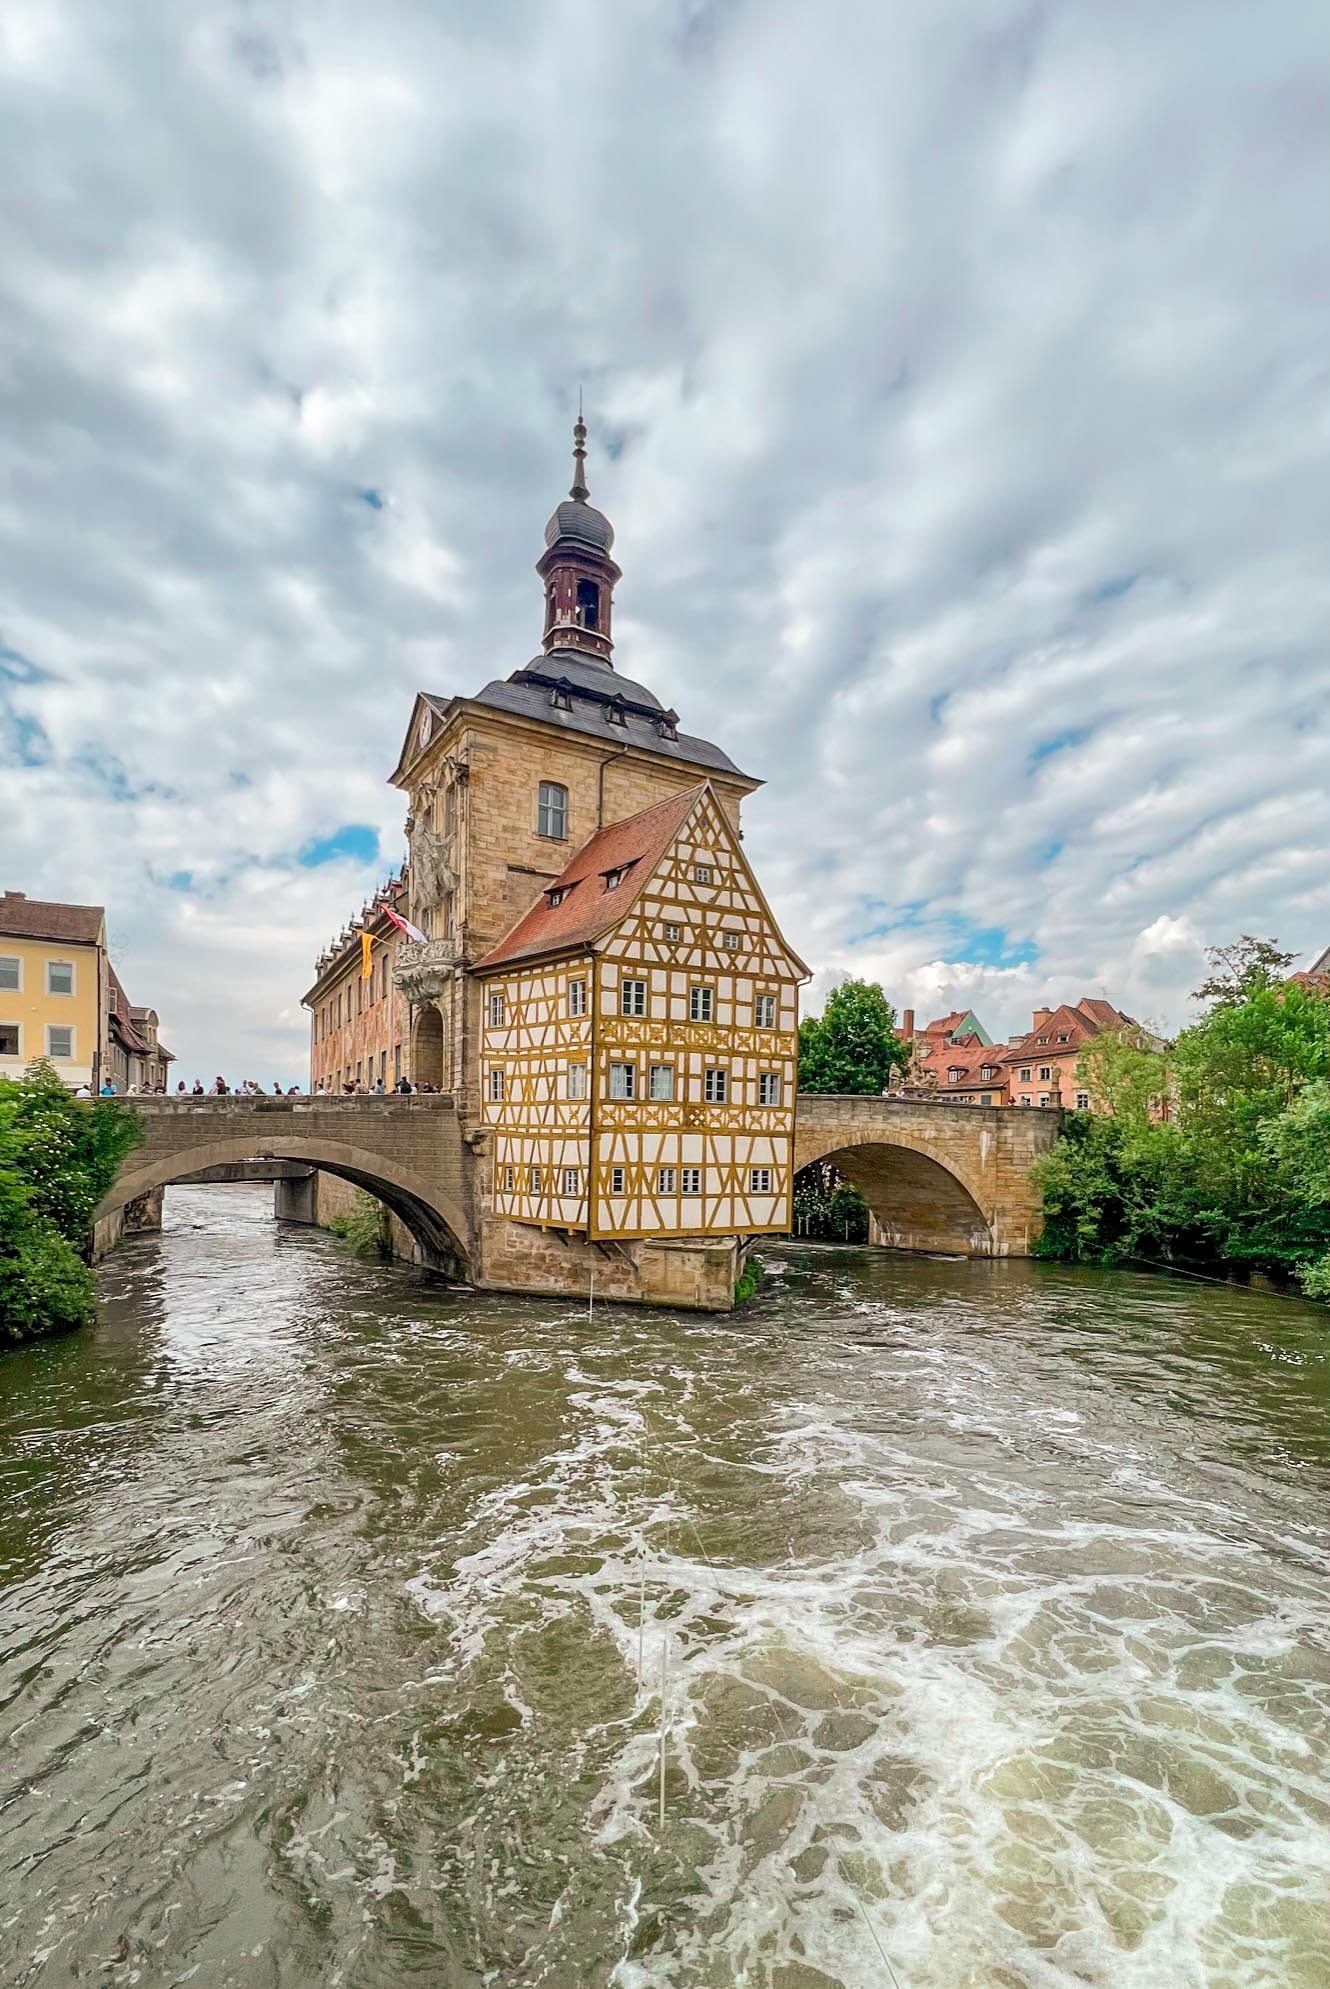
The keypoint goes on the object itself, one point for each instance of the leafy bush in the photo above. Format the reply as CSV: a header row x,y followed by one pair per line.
x,y
58,1156
1239,1179
827,1207
364,1227
748,1281
852,1046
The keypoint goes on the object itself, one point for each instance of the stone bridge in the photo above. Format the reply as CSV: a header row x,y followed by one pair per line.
x,y
935,1176
407,1151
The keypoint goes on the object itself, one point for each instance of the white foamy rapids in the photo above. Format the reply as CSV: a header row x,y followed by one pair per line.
x,y
997,1742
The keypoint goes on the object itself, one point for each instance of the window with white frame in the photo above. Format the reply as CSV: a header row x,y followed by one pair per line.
x,y
632,998
496,1085
552,810
953,1075
59,1041
577,997
509,1179
617,1180
1082,1101
1043,1098
701,1003
731,942
1045,1073
665,1181
1025,1075
496,1009
572,1181
11,974
623,1080
759,1181
577,1080
690,1180
701,873
535,1179
614,878
660,1081
9,1039
764,1011
673,933
60,977
768,1087
715,1083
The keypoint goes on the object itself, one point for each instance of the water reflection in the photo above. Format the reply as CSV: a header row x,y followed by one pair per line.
x,y
991,1602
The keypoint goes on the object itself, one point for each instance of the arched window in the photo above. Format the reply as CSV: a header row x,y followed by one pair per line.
x,y
588,604
552,810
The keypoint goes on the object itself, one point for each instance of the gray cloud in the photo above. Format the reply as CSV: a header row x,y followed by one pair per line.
x,y
958,393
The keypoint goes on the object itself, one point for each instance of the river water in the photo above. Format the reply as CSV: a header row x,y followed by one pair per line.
x,y
990,1600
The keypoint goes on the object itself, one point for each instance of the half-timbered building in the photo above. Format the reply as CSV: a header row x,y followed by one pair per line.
x,y
640,1036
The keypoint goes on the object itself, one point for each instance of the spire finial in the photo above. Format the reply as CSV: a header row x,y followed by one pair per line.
x,y
579,489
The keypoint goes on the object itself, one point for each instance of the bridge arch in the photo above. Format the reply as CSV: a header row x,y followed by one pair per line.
x,y
918,1201
435,1219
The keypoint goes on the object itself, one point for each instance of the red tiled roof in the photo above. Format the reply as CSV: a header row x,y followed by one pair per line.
x,y
1089,1017
22,917
636,844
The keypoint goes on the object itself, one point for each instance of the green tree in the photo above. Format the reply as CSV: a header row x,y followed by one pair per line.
x,y
1240,1179
1124,1074
58,1156
852,1046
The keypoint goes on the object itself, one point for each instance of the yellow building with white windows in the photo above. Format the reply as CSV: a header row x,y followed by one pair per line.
x,y
53,967
61,999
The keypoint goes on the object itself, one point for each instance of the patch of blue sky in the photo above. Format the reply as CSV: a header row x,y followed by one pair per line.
x,y
1058,742
1110,590
180,880
354,839
988,946
882,918
32,746
21,669
373,498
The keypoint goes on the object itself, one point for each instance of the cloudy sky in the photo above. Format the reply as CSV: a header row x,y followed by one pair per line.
x,y
957,383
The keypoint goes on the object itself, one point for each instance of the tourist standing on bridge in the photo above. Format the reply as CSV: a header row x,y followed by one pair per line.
x,y
404,1085
220,1088
108,1088
197,1091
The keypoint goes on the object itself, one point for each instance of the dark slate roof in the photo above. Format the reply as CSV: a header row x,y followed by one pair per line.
x,y
575,520
595,690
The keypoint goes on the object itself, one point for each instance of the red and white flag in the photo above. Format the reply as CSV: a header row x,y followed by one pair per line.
x,y
403,925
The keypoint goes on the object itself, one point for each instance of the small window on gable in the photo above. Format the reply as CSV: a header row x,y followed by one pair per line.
x,y
673,933
731,942
1064,1036
701,873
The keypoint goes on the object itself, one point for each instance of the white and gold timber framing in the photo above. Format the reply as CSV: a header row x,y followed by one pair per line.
x,y
640,1036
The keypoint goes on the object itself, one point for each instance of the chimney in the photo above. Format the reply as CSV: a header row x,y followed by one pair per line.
x,y
1041,1016
16,894
907,1025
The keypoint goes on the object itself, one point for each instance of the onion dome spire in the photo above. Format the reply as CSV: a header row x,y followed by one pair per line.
x,y
577,566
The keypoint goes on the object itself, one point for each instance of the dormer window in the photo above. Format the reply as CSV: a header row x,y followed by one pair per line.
x,y
616,712
561,697
669,725
557,895
953,1075
614,878
1064,1036
1043,1039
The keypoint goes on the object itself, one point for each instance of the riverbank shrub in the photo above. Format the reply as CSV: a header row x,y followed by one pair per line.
x,y
364,1227
747,1282
1238,1180
58,1156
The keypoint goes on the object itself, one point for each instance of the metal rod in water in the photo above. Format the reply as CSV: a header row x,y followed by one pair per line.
x,y
591,1296
664,1674
641,1611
